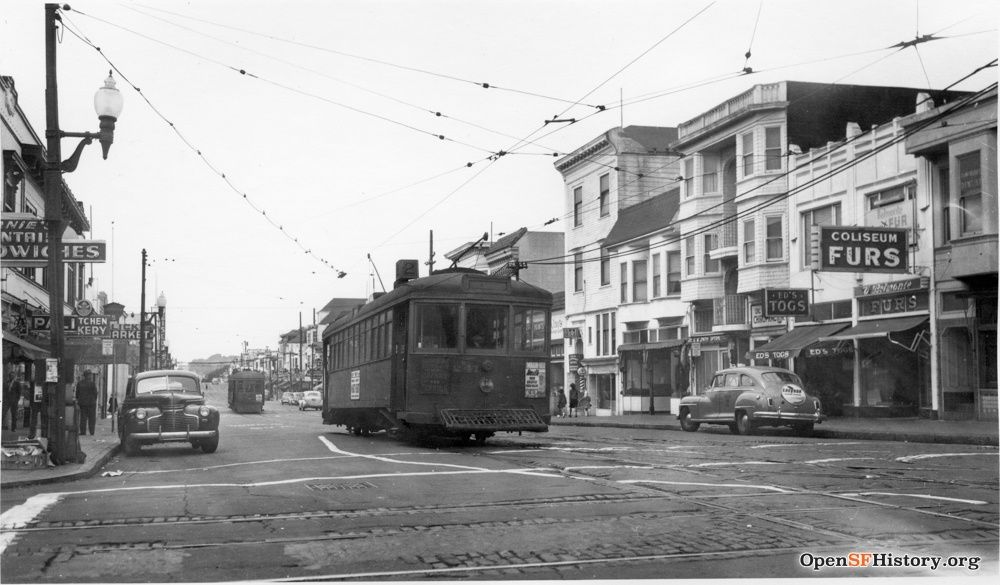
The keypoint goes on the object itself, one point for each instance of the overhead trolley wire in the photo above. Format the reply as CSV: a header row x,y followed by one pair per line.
x,y
484,85
71,27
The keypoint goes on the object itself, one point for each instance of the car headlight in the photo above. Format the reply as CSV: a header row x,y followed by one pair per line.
x,y
204,411
140,414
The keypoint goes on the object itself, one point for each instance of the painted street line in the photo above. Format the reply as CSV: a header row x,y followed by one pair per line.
x,y
924,496
909,458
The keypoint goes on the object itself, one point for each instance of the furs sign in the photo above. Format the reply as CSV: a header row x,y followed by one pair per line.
x,y
862,249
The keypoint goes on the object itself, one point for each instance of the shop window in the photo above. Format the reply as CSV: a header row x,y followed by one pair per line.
x,y
772,148
605,194
944,198
639,281
954,301
986,316
673,273
828,215
970,193
578,207
13,185
486,327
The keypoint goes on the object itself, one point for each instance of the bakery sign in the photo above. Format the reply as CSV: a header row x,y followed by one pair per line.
x,y
862,249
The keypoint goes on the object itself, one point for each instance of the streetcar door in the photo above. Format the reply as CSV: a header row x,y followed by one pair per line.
x,y
400,337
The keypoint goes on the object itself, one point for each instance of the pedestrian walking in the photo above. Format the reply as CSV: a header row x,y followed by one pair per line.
x,y
561,404
585,404
86,399
11,396
574,400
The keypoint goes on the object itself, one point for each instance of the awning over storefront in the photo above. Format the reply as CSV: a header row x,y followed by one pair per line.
x,y
14,347
791,344
878,328
653,345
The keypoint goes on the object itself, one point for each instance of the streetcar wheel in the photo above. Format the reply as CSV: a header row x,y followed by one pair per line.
x,y
687,424
744,424
481,438
356,431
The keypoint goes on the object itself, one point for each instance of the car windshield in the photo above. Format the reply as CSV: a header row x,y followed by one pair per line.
x,y
781,377
167,384
312,394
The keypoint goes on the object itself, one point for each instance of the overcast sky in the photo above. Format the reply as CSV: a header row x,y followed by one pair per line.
x,y
332,132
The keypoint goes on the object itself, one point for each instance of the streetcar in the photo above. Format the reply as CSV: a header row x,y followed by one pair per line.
x,y
246,391
456,353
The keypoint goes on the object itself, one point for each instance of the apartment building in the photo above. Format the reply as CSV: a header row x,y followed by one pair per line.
x,y
620,168
735,219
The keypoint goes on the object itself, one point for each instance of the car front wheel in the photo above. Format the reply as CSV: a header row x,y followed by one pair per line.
x,y
687,424
210,445
744,423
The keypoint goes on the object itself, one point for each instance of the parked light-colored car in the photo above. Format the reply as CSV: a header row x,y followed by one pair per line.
x,y
747,397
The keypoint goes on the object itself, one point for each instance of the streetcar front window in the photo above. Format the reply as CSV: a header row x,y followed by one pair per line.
x,y
437,326
486,327
529,329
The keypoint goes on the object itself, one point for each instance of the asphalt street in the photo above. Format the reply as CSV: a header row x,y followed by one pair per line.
x,y
287,498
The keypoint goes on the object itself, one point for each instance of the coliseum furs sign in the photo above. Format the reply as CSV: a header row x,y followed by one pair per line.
x,y
862,249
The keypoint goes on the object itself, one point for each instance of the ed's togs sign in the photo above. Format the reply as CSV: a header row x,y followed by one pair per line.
x,y
862,249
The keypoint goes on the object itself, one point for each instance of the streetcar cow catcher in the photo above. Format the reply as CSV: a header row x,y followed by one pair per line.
x,y
456,353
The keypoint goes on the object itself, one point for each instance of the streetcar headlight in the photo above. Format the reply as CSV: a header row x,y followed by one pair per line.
x,y
204,411
140,414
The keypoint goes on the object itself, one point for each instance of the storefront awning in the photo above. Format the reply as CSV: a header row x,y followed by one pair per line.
x,y
653,345
878,328
791,344
15,347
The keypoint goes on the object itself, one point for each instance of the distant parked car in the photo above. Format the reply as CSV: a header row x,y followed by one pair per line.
x,y
747,397
162,406
286,398
311,399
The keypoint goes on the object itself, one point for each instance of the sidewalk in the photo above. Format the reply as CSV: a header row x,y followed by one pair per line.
x,y
914,430
99,447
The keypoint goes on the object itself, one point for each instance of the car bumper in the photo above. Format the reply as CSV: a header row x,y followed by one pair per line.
x,y
174,435
814,417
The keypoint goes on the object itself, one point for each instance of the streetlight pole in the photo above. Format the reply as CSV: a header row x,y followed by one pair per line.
x,y
108,104
142,317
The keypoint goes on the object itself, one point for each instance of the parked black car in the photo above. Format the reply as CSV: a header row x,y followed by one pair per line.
x,y
167,406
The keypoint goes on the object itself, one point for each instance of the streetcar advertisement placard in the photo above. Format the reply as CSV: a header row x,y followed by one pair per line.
x,y
534,380
356,385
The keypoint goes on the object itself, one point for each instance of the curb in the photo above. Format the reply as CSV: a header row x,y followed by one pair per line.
x,y
821,433
88,470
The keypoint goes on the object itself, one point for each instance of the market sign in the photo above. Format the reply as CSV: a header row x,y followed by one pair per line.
x,y
786,302
862,249
92,326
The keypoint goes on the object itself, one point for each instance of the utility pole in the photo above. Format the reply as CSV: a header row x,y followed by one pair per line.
x,y
430,257
301,339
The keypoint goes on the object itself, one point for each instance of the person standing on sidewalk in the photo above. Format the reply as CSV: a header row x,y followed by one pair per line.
x,y
574,400
86,398
11,396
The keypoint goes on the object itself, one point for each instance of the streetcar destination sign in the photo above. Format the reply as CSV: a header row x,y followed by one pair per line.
x,y
862,249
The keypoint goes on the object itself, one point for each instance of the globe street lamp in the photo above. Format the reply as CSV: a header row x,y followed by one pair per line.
x,y
108,103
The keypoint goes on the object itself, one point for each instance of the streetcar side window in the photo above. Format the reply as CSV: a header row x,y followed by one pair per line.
x,y
529,329
437,326
486,327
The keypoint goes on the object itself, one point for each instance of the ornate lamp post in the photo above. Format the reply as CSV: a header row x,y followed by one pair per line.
x,y
108,103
